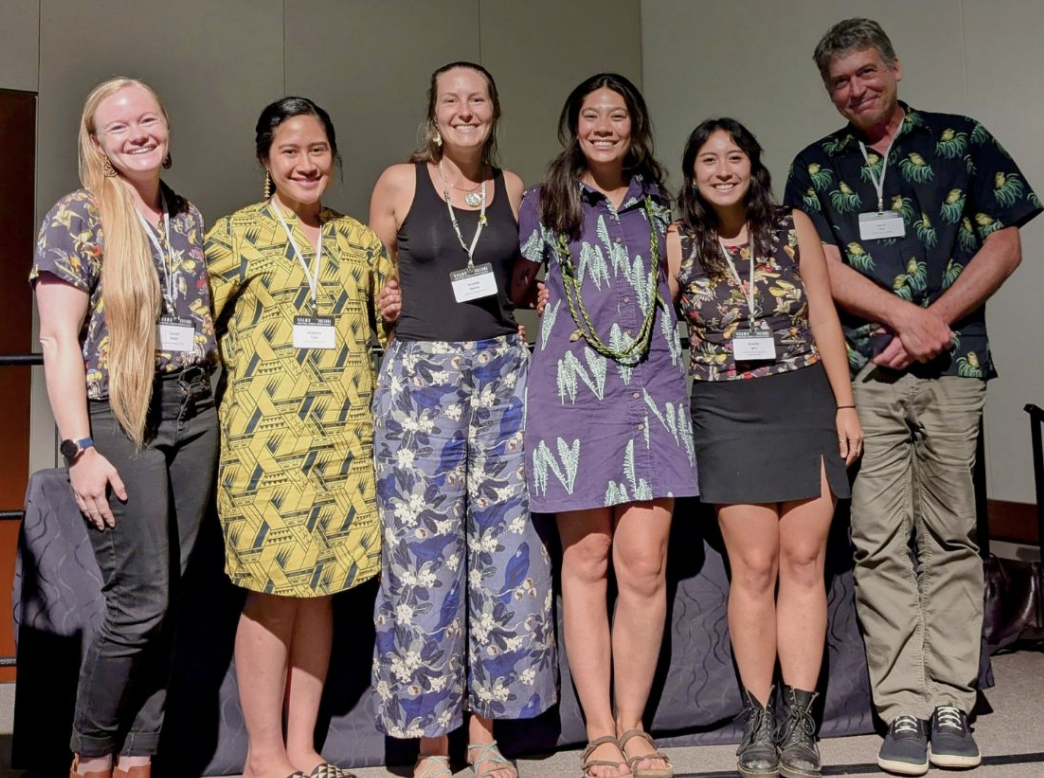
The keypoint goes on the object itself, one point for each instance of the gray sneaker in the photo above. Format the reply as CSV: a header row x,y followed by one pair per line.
x,y
952,741
905,747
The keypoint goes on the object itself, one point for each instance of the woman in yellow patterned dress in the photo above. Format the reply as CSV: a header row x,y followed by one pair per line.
x,y
294,286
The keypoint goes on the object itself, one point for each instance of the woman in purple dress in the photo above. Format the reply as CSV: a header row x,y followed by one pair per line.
x,y
608,441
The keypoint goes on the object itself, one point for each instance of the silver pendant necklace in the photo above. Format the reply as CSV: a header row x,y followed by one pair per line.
x,y
474,199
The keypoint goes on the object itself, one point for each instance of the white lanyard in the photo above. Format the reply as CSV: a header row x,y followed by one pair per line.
x,y
879,182
170,288
317,262
453,218
735,273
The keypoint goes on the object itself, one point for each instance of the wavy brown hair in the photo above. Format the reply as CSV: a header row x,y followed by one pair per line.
x,y
130,284
430,151
560,206
702,219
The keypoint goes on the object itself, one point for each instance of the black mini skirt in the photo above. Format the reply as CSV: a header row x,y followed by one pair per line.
x,y
763,440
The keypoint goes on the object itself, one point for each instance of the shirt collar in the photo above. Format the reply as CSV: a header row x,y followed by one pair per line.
x,y
637,191
848,137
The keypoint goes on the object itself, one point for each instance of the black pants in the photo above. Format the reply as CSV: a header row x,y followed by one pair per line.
x,y
123,680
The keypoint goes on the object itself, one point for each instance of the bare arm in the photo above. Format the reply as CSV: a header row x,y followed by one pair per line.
x,y
826,330
920,333
1000,255
515,188
62,309
390,202
674,260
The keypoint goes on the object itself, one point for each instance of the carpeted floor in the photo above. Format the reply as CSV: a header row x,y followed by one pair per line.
x,y
1011,738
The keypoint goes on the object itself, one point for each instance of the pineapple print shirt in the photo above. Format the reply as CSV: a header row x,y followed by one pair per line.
x,y
71,247
952,182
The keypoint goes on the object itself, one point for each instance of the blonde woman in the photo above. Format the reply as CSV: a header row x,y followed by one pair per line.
x,y
127,317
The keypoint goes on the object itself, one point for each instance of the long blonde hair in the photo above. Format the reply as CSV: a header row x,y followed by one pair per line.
x,y
130,284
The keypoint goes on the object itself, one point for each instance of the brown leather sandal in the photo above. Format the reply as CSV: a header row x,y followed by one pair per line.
x,y
587,763
632,761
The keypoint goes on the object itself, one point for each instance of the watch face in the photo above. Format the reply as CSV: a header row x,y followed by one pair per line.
x,y
69,449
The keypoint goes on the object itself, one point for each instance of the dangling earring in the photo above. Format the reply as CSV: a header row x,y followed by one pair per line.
x,y
438,139
108,169
268,186
167,161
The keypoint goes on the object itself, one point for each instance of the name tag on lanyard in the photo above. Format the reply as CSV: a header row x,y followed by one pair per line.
x,y
880,226
753,346
175,334
314,332
473,284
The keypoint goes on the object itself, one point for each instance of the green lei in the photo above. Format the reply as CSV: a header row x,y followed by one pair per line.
x,y
577,309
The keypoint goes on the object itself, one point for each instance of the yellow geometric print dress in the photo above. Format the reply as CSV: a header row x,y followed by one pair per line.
x,y
296,491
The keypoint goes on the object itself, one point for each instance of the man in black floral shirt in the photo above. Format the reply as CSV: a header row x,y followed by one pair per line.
x,y
920,214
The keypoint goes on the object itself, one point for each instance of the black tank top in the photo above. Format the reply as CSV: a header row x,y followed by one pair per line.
x,y
429,251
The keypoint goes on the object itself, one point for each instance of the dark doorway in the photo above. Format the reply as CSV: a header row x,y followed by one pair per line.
x,y
18,228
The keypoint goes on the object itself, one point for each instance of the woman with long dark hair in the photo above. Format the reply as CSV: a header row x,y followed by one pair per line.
x,y
774,424
128,346
295,290
608,442
464,618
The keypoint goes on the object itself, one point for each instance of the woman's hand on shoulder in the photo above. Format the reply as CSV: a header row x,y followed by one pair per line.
x,y
90,475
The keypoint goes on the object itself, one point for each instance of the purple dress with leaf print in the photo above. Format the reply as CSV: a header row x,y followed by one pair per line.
x,y
599,431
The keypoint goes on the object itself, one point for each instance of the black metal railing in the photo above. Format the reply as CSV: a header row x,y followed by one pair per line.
x,y
1036,426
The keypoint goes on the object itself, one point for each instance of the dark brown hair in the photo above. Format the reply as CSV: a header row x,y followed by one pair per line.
x,y
702,219
560,207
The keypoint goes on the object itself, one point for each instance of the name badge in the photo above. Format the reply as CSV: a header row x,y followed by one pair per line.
x,y
175,334
314,332
753,346
471,285
878,226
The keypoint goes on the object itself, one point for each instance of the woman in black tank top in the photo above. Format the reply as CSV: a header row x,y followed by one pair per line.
x,y
464,614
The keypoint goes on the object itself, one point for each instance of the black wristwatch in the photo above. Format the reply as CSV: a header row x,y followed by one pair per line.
x,y
71,448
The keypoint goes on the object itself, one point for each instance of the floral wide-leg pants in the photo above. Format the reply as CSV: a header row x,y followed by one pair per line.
x,y
464,616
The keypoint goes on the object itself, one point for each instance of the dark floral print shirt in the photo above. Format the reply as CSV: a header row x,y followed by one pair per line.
x,y
71,246
715,307
953,184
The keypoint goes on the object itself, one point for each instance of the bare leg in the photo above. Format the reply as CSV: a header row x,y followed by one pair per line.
x,y
801,608
751,534
309,661
480,731
586,543
640,562
93,764
262,650
431,746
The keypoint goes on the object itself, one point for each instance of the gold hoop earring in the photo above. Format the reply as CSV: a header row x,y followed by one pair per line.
x,y
167,161
268,186
108,169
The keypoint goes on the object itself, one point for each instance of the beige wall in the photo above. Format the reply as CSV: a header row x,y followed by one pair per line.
x,y
752,59
216,64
